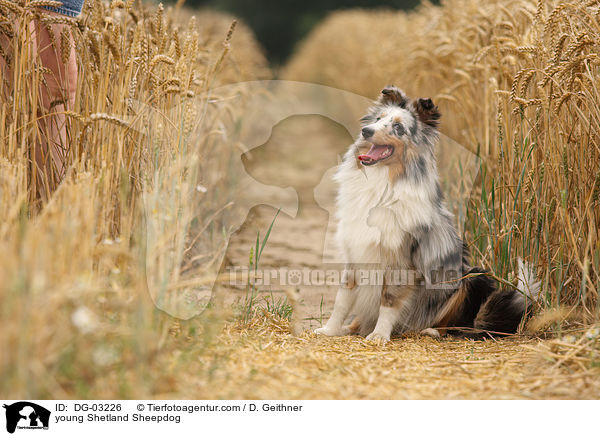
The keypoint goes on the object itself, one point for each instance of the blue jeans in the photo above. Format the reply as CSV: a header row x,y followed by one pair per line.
x,y
71,8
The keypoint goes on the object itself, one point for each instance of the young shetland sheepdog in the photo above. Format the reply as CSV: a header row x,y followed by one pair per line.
x,y
391,213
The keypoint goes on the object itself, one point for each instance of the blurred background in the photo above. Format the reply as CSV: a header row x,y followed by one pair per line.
x,y
280,25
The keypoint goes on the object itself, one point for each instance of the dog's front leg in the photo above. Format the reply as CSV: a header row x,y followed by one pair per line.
x,y
393,300
344,300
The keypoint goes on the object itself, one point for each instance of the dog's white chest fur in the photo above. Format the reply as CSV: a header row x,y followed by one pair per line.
x,y
375,215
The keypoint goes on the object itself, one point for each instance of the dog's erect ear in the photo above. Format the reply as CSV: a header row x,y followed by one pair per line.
x,y
392,95
427,112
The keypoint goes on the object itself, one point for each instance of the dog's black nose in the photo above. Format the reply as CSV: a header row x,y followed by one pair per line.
x,y
367,133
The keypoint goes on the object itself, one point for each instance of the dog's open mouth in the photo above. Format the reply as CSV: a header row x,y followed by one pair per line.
x,y
377,153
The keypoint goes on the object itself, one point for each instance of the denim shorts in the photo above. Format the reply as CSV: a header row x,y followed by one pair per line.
x,y
71,8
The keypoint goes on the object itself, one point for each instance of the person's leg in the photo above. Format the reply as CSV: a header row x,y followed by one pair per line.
x,y
57,94
5,51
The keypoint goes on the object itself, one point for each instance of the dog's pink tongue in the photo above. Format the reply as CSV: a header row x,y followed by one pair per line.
x,y
375,153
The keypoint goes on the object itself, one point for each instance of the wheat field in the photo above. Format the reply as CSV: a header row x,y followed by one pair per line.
x,y
76,313
517,83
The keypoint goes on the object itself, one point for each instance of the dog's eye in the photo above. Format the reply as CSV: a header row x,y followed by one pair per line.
x,y
399,129
377,119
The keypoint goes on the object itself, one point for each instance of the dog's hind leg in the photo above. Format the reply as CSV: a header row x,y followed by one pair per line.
x,y
434,333
353,328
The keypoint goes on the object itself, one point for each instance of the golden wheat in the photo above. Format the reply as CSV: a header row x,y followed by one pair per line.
x,y
517,82
72,273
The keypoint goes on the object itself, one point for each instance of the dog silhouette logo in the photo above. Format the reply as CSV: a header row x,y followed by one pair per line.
x,y
26,415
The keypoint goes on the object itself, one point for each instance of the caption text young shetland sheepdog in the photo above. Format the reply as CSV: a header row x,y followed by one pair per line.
x,y
391,213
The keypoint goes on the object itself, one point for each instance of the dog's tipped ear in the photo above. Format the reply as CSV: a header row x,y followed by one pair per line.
x,y
367,119
392,95
427,112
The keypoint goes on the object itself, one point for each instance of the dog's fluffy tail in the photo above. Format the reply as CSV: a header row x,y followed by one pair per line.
x,y
505,308
528,284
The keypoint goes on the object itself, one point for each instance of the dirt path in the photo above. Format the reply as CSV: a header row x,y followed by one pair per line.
x,y
268,362
298,154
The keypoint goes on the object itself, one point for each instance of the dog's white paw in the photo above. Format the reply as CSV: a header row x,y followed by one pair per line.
x,y
378,337
431,332
329,331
